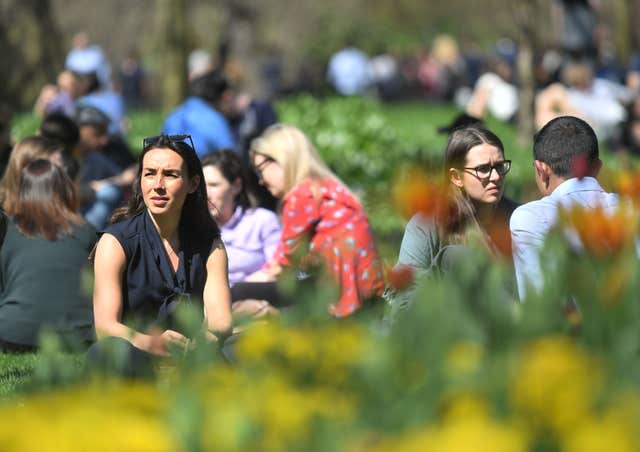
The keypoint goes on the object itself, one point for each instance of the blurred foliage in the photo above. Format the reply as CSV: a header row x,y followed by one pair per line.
x,y
463,368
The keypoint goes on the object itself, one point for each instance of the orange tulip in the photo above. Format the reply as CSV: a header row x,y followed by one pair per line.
x,y
418,194
400,277
602,234
628,185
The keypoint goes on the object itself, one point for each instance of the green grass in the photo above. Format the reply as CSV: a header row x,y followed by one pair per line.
x,y
15,371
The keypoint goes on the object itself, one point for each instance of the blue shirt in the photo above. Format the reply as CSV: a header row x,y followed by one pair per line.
x,y
151,289
208,128
349,72
531,222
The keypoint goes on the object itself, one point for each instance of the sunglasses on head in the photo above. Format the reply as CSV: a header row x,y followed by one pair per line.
x,y
179,138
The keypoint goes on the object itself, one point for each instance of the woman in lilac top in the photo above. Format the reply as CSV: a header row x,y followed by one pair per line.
x,y
250,234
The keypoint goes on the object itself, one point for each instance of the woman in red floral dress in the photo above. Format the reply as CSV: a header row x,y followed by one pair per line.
x,y
320,210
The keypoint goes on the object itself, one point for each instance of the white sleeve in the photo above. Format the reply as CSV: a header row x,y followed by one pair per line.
x,y
527,237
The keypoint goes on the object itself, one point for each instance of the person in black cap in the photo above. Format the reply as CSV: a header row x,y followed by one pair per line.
x,y
96,205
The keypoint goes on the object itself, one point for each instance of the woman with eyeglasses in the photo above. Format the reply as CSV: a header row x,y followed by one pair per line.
x,y
162,250
318,209
474,173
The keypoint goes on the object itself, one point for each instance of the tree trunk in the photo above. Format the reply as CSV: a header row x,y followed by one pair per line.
x,y
30,43
173,66
622,28
527,92
240,35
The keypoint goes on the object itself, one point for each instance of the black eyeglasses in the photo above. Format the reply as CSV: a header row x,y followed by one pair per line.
x,y
484,171
180,138
262,165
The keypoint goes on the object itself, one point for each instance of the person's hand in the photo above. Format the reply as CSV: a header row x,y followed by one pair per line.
x,y
160,344
253,308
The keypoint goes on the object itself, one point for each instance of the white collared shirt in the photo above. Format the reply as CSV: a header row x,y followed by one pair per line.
x,y
531,222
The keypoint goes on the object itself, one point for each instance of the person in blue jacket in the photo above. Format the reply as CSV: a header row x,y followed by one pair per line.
x,y
201,114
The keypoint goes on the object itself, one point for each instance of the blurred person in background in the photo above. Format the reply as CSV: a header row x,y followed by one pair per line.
x,y
318,207
200,62
59,98
105,99
98,199
201,114
132,81
451,75
575,23
85,58
61,128
495,92
349,71
42,261
597,101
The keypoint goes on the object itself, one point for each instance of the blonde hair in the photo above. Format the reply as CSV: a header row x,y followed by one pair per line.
x,y
23,153
293,151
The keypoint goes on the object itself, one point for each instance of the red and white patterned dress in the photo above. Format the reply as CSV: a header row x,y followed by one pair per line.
x,y
326,214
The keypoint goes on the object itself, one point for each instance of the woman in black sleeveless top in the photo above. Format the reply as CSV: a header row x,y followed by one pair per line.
x,y
162,250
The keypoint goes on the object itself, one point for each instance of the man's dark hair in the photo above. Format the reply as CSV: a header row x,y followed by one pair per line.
x,y
61,128
209,86
561,141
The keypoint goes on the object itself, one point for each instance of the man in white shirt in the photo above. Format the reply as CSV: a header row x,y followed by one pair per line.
x,y
566,163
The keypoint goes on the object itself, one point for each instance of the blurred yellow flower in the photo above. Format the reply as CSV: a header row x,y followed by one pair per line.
x,y
600,435
467,427
98,417
555,384
327,351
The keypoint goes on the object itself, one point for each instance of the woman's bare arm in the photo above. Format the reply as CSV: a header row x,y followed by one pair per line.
x,y
217,296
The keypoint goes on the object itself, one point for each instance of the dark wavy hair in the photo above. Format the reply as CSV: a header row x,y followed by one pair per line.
x,y
47,203
229,163
461,211
195,219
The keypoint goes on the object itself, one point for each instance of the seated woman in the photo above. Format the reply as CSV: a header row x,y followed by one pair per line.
x,y
319,208
163,249
41,262
474,171
250,234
